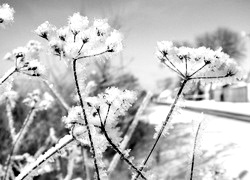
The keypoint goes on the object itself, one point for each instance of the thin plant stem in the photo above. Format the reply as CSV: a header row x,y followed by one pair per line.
x,y
20,135
162,127
43,158
215,77
9,73
186,66
198,69
92,55
85,119
193,154
105,120
117,149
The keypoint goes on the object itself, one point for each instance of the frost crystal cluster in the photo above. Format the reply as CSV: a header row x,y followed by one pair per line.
x,y
80,38
6,15
103,109
198,63
26,59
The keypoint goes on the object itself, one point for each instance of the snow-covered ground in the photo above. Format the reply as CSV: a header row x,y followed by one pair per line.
x,y
217,132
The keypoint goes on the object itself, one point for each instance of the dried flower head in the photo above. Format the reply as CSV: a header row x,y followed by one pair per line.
x,y
79,40
198,63
6,15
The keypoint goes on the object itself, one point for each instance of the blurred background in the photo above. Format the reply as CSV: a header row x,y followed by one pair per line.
x,y
223,145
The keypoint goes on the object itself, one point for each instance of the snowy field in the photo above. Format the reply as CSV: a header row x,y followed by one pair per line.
x,y
227,136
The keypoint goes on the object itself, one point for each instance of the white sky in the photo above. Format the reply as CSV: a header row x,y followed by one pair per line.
x,y
144,22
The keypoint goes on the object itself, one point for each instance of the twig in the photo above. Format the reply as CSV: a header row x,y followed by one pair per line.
x,y
194,149
215,77
9,73
92,55
162,127
85,119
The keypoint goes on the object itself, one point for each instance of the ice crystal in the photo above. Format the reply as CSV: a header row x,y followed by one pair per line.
x,y
110,104
44,30
80,40
77,23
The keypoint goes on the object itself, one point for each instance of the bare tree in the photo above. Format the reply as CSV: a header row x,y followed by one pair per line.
x,y
230,41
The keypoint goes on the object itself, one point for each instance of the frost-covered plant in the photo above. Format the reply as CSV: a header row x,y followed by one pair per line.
x,y
93,121
36,103
193,65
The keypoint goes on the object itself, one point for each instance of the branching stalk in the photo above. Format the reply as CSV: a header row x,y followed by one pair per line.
x,y
173,70
162,127
178,71
117,149
85,119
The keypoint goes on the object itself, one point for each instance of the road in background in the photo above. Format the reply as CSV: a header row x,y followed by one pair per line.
x,y
217,133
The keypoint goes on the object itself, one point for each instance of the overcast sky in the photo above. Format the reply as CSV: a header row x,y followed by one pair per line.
x,y
144,22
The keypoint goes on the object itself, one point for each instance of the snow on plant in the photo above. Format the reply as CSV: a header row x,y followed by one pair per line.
x,y
80,38
199,63
6,15
26,61
193,65
36,103
93,121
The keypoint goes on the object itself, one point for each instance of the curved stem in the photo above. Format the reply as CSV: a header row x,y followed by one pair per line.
x,y
9,73
85,119
162,127
117,149
194,149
